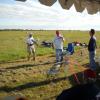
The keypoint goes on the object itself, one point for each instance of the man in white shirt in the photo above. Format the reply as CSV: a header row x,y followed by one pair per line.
x,y
58,45
30,46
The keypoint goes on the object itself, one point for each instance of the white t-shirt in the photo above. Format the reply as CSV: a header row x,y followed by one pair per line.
x,y
30,40
58,43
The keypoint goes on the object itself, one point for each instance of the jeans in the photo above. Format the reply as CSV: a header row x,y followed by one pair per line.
x,y
59,55
92,60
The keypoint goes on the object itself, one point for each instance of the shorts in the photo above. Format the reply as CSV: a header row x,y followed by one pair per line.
x,y
31,49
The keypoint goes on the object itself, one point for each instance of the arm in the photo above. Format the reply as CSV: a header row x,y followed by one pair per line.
x,y
36,43
63,39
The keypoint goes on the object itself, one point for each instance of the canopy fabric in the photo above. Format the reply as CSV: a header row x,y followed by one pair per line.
x,y
21,0
92,6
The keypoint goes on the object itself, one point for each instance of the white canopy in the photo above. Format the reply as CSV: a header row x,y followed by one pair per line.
x,y
92,6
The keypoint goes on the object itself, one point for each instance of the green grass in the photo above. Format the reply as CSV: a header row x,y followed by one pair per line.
x,y
13,42
30,79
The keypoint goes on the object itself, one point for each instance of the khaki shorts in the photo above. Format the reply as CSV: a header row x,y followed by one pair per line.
x,y
31,49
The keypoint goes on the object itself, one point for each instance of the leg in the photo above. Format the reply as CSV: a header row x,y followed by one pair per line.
x,y
61,55
33,52
29,56
33,56
57,55
92,60
29,53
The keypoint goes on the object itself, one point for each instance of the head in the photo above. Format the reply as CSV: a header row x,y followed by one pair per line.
x,y
57,33
30,34
92,32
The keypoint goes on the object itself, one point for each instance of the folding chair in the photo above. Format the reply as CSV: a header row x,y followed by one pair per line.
x,y
70,48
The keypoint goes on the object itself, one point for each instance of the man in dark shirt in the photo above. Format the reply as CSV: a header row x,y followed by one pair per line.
x,y
92,49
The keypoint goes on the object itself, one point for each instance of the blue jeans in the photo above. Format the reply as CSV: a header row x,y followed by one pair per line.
x,y
59,55
92,60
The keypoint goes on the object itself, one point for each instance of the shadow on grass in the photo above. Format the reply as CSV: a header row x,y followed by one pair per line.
x,y
42,83
71,79
5,62
24,66
30,85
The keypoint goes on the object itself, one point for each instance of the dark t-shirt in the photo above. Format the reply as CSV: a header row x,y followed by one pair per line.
x,y
92,44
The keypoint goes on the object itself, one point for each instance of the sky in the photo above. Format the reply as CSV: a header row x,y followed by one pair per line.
x,y
33,15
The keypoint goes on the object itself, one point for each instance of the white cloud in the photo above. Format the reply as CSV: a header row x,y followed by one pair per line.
x,y
32,14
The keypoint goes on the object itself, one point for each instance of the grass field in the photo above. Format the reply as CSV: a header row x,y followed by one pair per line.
x,y
18,76
13,44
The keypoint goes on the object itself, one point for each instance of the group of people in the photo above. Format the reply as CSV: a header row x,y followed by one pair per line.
x,y
57,44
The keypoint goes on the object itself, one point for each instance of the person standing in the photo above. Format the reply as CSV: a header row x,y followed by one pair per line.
x,y
58,46
92,49
31,46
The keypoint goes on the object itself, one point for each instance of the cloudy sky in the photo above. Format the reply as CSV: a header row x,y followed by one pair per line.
x,y
32,15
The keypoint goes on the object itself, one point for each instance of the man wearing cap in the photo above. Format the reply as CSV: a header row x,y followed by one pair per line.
x,y
58,46
30,46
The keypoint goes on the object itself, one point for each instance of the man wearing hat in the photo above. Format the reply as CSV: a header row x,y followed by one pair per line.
x,y
58,45
30,46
